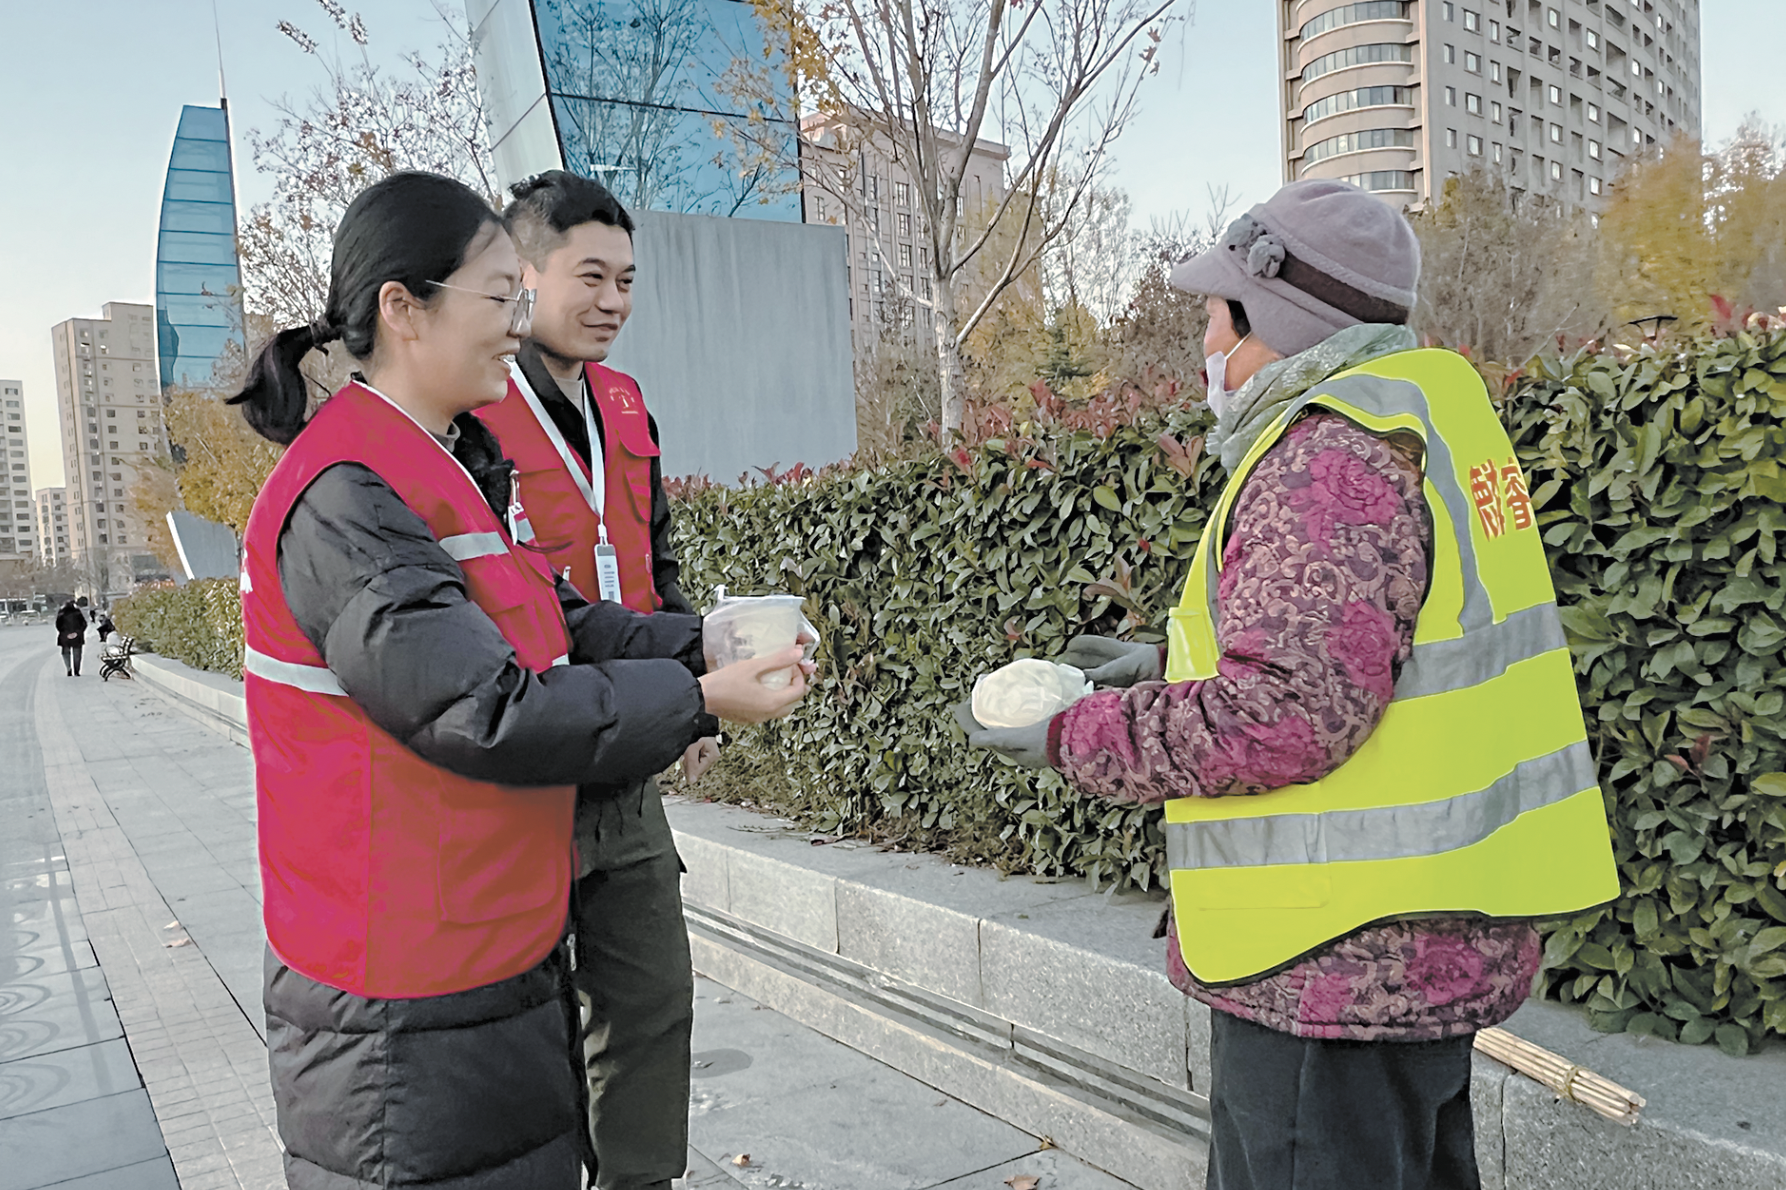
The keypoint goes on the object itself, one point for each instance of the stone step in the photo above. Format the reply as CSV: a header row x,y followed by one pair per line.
x,y
1132,1127
948,969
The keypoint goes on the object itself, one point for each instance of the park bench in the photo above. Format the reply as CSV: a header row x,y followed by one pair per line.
x,y
115,658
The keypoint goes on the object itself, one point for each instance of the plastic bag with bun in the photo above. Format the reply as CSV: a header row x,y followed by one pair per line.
x,y
1026,692
741,627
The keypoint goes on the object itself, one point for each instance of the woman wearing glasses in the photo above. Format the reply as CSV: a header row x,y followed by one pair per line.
x,y
423,700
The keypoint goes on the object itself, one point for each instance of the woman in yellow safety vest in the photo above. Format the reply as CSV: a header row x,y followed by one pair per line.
x,y
1364,724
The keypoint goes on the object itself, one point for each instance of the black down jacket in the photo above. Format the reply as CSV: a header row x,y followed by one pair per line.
x,y
473,1091
481,1089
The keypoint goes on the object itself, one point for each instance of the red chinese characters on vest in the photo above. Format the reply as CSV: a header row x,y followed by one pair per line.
x,y
565,526
385,875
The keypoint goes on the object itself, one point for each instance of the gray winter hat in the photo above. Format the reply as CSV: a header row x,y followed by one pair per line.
x,y
1317,257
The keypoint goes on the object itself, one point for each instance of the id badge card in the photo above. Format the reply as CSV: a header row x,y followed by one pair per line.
x,y
607,572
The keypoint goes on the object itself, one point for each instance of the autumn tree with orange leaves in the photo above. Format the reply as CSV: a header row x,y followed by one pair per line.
x,y
1683,224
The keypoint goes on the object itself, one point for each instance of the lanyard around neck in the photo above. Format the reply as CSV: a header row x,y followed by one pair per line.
x,y
594,486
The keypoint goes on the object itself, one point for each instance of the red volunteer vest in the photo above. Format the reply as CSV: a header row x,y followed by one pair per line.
x,y
385,875
564,525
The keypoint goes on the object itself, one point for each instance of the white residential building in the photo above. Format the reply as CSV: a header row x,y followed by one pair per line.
x,y
52,526
889,246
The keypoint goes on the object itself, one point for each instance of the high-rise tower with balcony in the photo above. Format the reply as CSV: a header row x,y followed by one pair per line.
x,y
108,398
18,543
1554,95
52,526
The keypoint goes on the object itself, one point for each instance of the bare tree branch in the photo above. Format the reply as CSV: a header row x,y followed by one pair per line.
x,y
923,85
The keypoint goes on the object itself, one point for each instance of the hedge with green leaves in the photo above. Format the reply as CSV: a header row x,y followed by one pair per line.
x,y
1660,489
921,575
199,623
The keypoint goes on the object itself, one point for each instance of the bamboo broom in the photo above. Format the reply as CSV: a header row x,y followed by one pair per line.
x,y
1572,1082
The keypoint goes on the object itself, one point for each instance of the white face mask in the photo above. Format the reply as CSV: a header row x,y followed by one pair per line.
x,y
1217,366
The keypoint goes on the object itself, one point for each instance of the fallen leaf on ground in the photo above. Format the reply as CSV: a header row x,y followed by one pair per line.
x,y
172,925
1047,1143
178,942
741,1160
1023,1181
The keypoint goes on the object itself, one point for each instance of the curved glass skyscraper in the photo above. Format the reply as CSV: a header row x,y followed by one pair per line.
x,y
198,284
636,93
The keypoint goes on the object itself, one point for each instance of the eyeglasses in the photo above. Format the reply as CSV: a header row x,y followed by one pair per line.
x,y
521,321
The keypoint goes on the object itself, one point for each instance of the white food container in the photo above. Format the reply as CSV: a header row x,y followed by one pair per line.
x,y
745,626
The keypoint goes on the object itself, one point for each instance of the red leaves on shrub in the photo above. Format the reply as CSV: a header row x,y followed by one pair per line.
x,y
1181,456
1694,761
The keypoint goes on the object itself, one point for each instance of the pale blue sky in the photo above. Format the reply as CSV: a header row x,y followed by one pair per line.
x,y
89,95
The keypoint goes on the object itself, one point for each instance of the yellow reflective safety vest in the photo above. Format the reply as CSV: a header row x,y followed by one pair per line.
x,y
1477,792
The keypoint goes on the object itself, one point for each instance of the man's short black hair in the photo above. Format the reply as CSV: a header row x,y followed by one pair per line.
x,y
549,204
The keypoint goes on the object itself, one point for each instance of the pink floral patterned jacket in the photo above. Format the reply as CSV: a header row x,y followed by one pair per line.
x,y
1324,571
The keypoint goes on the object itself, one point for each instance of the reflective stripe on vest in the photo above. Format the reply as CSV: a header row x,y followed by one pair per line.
x,y
317,679
1394,832
463,547
1477,791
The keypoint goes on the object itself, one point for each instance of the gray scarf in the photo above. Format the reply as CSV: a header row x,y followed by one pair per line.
x,y
1260,400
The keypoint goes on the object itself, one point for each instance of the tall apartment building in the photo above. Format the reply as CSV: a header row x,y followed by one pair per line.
x,y
108,397
1398,95
52,526
18,544
888,246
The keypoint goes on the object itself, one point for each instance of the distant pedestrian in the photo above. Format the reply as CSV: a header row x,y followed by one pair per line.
x,y
104,627
71,635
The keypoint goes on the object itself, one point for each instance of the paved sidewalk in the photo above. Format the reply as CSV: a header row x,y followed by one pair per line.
x,y
155,819
156,816
810,1113
72,1106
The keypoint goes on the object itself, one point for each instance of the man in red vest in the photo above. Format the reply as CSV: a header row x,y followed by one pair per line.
x,y
589,489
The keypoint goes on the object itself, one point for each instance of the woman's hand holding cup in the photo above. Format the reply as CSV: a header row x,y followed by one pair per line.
x,y
736,692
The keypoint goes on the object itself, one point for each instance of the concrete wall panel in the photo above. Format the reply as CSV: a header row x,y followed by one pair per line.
x,y
740,338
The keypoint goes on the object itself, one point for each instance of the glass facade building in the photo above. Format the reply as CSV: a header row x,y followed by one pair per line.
x,y
640,94
198,282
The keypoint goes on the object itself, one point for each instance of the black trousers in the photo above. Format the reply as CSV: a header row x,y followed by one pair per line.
x,y
71,658
636,983
1290,1113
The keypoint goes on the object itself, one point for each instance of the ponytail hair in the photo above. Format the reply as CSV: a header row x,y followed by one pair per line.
x,y
276,395
413,228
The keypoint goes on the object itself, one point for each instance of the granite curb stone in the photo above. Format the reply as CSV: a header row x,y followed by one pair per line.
x,y
1080,967
213,699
